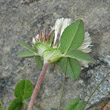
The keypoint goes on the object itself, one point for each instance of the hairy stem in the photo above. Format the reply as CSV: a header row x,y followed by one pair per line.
x,y
95,90
37,86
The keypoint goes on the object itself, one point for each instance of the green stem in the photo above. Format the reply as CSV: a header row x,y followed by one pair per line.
x,y
61,97
1,104
95,90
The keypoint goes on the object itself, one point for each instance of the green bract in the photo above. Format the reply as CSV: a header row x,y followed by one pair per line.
x,y
52,55
41,47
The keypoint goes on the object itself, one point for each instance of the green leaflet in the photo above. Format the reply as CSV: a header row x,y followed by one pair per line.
x,y
27,54
24,89
72,37
74,104
79,55
16,104
39,61
73,67
27,46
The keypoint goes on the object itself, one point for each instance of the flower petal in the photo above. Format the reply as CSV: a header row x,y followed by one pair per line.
x,y
86,45
59,27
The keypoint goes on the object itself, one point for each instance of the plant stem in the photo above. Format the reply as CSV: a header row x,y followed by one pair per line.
x,y
37,86
95,90
23,107
1,104
61,97
63,87
26,103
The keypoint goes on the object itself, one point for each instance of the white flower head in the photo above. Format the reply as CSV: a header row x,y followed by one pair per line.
x,y
60,26
86,48
86,45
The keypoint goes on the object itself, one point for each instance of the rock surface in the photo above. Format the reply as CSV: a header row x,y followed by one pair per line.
x,y
21,20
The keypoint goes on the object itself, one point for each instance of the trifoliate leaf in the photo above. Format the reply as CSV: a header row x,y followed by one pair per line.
x,y
24,89
73,67
27,54
72,36
39,61
27,46
79,55
16,104
74,104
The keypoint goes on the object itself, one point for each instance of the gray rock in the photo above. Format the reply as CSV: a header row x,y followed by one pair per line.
x,y
21,20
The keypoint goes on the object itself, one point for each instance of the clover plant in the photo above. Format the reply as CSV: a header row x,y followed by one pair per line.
x,y
66,44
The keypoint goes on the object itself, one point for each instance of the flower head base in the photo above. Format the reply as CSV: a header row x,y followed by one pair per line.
x,y
52,54
41,47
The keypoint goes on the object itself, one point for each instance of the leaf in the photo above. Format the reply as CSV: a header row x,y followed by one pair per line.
x,y
24,89
39,61
79,55
51,37
27,46
73,67
27,54
16,104
72,37
74,104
